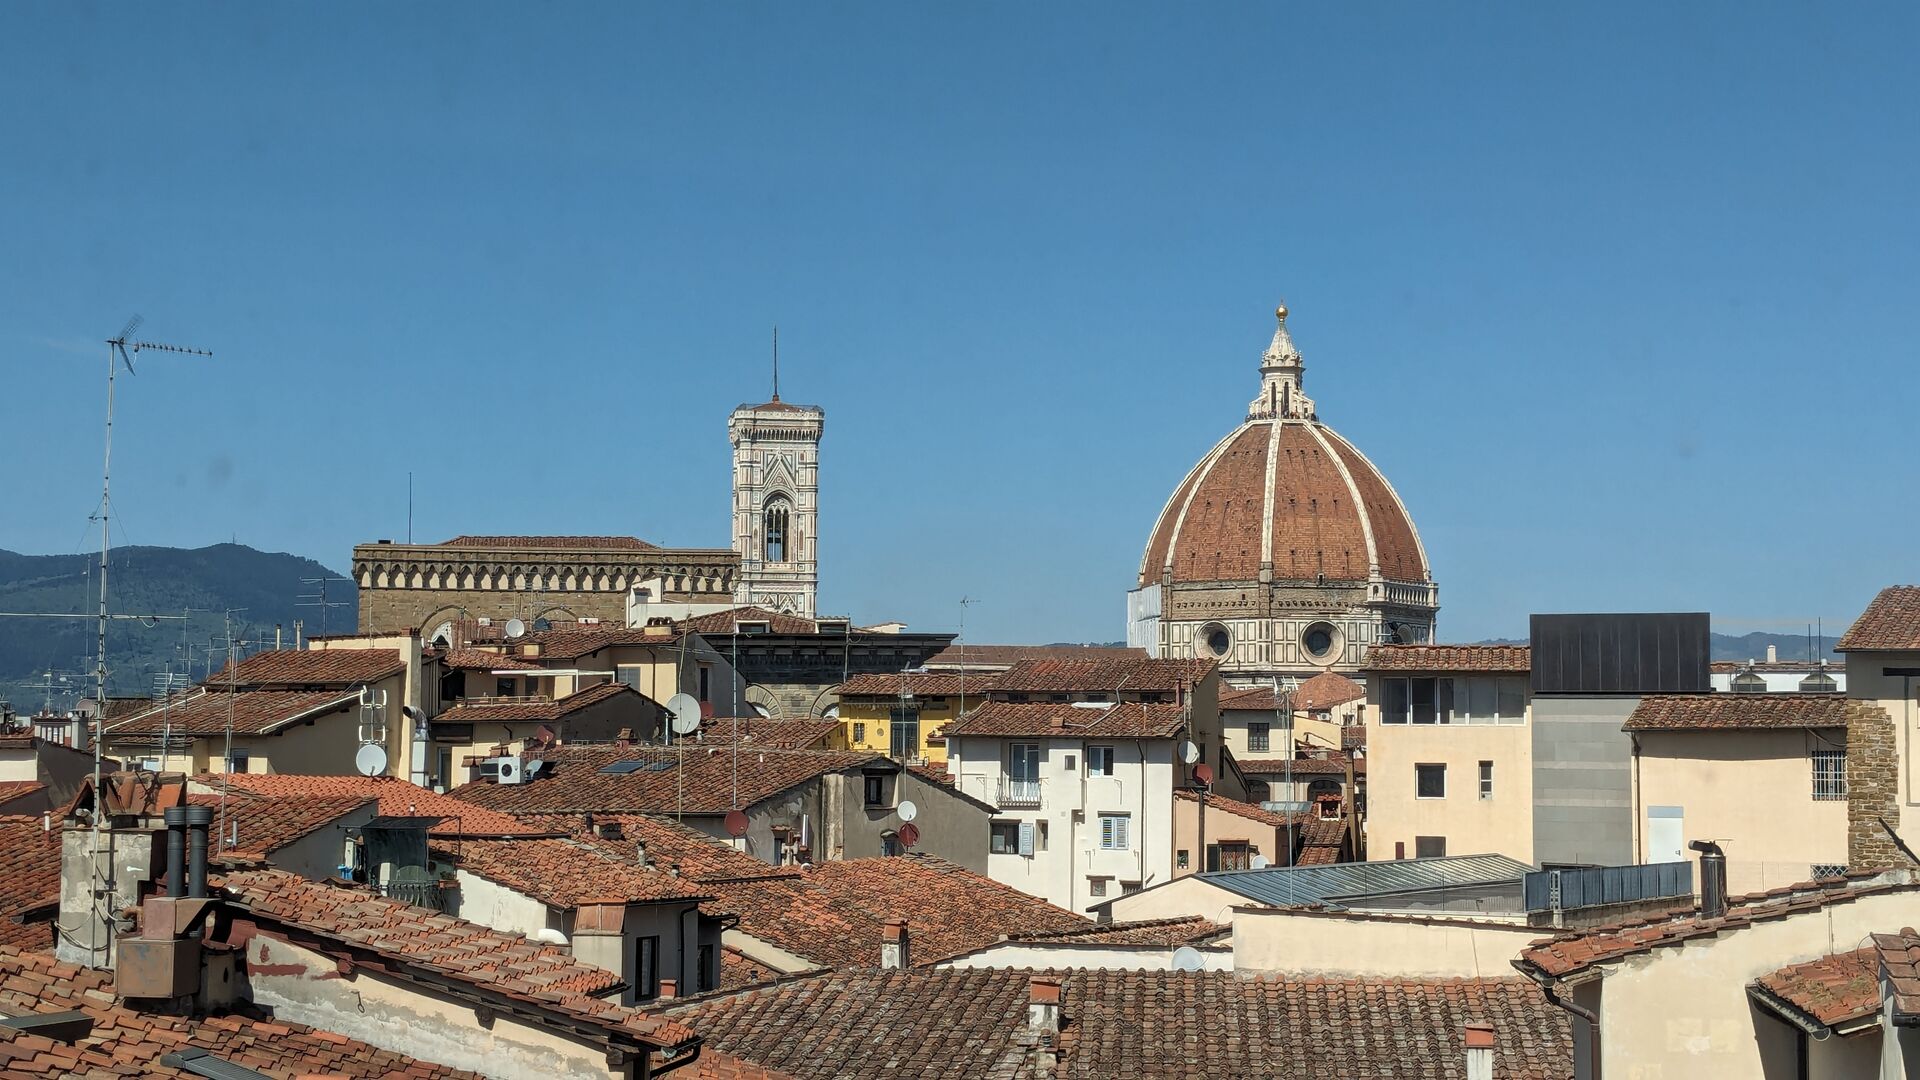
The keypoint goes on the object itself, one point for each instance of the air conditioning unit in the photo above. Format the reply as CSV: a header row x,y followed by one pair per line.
x,y
504,770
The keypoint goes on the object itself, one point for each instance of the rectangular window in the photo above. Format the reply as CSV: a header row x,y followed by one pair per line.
x,y
1069,762
706,682
1004,838
1096,886
1230,855
446,779
1181,859
708,975
503,688
1116,831
627,675
859,734
1512,701
876,791
1422,693
1099,761
1829,774
1257,740
904,733
1486,780
1429,847
646,983
1430,781
237,761
1393,706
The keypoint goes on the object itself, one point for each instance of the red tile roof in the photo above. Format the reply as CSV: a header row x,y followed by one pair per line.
x,y
1890,623
835,913
699,856
1250,811
550,543
29,882
484,660
441,946
917,683
1898,957
572,780
567,872
252,712
1570,953
1353,738
260,825
126,1042
1515,658
311,667
1323,841
723,622
522,711
1327,690
23,740
737,969
999,657
574,642
807,733
947,1023
1830,990
1162,933
1333,763
715,1065
397,797
1737,712
1134,674
1127,720
19,789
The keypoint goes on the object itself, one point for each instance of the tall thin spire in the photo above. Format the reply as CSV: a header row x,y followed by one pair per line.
x,y
776,361
1281,377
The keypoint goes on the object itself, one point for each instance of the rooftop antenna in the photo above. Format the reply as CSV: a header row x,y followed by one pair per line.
x,y
318,598
776,361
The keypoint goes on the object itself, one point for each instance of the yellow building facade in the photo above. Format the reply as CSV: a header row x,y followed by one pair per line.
x,y
904,715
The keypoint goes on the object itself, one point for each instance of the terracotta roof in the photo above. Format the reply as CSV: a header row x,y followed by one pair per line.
x,y
935,773
1252,699
723,622
918,683
945,1023
29,882
1891,623
19,789
835,913
1327,690
541,975
1322,841
1570,953
699,855
1898,958
572,780
1333,764
310,667
737,970
1782,667
125,1042
1247,810
1164,933
484,660
550,543
1737,712
715,1065
805,733
776,405
263,824
397,798
1353,738
522,711
1127,720
252,712
1515,658
1128,674
999,657
568,872
1830,990
573,642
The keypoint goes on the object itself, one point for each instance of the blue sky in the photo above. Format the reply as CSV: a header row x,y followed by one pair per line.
x,y
1621,299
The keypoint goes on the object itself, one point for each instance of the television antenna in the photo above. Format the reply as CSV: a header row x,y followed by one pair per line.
x,y
318,598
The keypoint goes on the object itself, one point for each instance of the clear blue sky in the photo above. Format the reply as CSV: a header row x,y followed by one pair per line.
x,y
1622,300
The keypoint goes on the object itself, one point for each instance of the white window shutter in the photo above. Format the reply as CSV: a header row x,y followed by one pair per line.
x,y
1026,839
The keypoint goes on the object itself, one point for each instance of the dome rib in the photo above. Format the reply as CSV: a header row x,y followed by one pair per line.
x,y
1166,530
1401,555
1353,492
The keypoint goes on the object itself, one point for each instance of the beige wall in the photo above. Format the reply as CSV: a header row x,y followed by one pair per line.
x,y
1221,825
1683,1012
1472,825
1266,939
1185,897
1752,792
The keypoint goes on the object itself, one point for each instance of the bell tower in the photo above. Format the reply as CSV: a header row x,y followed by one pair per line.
x,y
776,501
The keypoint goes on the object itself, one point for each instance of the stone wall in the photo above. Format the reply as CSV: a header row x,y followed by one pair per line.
x,y
1873,775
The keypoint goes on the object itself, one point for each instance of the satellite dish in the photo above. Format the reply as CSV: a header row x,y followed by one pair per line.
x,y
515,629
1189,753
736,823
909,834
907,810
371,760
1188,958
1258,862
686,713
1203,773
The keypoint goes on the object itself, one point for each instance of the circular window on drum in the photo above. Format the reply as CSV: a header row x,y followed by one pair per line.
x,y
1320,640
1215,639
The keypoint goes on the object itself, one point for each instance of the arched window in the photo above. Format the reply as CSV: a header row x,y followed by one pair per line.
x,y
775,525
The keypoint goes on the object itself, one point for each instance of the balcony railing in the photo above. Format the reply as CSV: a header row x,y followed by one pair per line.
x,y
1019,792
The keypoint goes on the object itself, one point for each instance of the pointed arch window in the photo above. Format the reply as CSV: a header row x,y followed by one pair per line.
x,y
775,530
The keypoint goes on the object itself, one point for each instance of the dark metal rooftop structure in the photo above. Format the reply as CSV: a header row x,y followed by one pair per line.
x,y
1337,884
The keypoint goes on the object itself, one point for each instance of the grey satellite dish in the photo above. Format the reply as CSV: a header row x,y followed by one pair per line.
x,y
907,810
1258,862
1189,753
1188,958
686,713
371,760
515,629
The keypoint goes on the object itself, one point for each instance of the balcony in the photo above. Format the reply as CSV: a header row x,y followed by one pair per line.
x,y
1018,793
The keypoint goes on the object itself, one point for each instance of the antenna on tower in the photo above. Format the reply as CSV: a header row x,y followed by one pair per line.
x,y
776,361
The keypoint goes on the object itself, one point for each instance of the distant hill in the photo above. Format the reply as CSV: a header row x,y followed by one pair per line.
x,y
1745,647
265,588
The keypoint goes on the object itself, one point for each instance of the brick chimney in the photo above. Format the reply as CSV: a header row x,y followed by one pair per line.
x,y
1043,1006
669,989
896,946
1479,1052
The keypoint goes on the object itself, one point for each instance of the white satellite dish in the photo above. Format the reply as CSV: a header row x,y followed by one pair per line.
x,y
1189,753
1188,958
515,629
371,760
907,810
686,713
1258,862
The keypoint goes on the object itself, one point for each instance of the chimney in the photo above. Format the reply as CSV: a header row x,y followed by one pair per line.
x,y
176,820
1773,654
1479,1052
669,989
1713,879
895,946
640,853
1043,1006
198,818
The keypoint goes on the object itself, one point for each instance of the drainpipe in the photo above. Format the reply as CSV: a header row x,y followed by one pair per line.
x,y
1592,1018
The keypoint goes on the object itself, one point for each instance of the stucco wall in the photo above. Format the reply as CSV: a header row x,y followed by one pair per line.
x,y
1221,825
1272,940
1502,824
317,855
478,900
1185,897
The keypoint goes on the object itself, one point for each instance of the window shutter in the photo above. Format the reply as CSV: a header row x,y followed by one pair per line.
x,y
1122,826
1026,839
1106,830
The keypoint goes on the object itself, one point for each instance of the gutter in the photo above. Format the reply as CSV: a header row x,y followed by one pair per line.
x,y
1547,986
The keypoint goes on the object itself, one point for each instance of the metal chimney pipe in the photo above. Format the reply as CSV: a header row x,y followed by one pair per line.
x,y
1713,879
198,819
176,819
